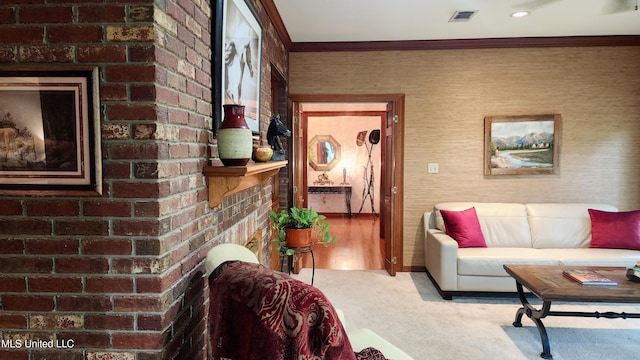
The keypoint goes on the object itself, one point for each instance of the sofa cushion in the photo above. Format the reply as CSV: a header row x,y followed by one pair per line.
x,y
593,256
502,224
615,230
463,227
555,225
489,261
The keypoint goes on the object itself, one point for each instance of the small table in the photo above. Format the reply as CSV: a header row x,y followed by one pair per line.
x,y
298,250
334,189
548,284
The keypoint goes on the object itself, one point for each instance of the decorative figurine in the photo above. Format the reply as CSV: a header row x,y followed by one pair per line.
x,y
277,128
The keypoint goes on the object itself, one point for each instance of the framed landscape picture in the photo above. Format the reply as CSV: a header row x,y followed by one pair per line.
x,y
522,144
49,131
237,60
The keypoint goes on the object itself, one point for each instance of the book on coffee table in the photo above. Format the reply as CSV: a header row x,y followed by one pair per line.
x,y
588,277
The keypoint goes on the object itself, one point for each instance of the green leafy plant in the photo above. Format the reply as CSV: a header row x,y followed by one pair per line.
x,y
300,218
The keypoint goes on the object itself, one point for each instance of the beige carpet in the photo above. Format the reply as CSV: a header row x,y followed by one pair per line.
x,y
408,312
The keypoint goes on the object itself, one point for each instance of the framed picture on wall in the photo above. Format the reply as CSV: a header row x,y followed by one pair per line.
x,y
49,131
522,144
237,40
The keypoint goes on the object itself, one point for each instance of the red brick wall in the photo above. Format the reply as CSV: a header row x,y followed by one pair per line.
x,y
121,274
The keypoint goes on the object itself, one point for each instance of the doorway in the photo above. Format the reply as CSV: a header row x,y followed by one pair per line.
x,y
386,201
343,172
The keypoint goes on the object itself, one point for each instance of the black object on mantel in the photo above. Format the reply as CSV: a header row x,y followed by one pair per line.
x,y
277,128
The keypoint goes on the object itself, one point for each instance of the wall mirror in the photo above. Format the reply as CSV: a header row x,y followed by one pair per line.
x,y
324,152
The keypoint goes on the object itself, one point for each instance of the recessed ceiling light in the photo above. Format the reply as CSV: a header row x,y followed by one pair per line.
x,y
518,14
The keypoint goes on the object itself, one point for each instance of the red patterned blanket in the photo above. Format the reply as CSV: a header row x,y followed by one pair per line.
x,y
257,313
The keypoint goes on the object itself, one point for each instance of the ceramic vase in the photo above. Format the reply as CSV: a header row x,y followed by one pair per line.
x,y
235,143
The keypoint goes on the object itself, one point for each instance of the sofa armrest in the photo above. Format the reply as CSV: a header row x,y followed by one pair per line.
x,y
441,259
429,221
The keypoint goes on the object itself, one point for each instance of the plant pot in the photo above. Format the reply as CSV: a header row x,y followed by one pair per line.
x,y
298,237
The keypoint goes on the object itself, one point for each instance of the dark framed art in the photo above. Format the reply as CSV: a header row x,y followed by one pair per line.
x,y
237,40
522,144
49,131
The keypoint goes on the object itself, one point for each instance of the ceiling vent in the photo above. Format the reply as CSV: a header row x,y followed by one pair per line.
x,y
461,15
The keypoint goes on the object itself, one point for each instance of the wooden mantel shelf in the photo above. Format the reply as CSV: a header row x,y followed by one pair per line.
x,y
228,180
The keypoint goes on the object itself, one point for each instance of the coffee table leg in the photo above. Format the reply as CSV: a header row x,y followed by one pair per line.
x,y
536,315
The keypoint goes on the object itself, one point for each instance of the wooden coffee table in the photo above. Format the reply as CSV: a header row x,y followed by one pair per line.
x,y
548,284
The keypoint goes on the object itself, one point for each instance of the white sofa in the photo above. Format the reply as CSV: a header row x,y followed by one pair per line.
x,y
536,234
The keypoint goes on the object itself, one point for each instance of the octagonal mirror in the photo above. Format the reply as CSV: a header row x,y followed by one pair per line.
x,y
324,152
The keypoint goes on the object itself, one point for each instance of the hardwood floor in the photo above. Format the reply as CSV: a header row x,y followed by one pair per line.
x,y
359,246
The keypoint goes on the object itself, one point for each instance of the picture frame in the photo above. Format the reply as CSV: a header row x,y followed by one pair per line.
x,y
50,131
522,144
237,40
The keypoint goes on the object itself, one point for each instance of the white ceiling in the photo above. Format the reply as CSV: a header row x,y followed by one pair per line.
x,y
396,20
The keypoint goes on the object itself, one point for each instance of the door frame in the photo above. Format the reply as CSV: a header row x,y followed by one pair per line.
x,y
397,205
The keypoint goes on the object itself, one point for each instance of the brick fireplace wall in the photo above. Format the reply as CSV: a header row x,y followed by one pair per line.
x,y
121,275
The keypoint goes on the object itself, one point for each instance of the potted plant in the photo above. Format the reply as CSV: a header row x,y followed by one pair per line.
x,y
295,227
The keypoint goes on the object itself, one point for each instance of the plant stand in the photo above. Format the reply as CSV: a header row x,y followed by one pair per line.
x,y
293,261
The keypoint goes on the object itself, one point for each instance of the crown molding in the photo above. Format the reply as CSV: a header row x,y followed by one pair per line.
x,y
276,20
529,42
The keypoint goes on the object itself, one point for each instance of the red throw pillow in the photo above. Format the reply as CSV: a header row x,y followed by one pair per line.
x,y
464,227
615,230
